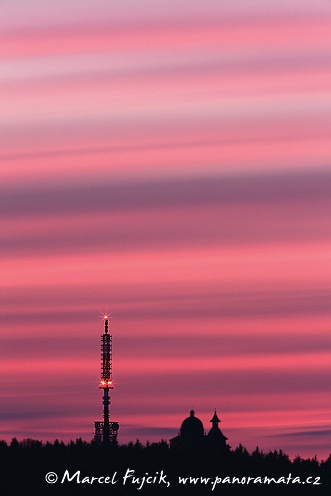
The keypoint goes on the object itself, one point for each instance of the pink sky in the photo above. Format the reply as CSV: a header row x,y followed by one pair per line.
x,y
169,163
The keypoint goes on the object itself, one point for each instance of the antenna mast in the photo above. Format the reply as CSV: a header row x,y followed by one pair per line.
x,y
106,431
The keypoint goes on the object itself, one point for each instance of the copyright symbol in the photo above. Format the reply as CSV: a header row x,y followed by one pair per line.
x,y
51,477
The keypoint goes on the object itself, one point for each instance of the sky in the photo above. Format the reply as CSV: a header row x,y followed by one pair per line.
x,y
168,163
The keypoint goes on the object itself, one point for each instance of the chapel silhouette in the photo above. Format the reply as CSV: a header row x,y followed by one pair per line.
x,y
192,436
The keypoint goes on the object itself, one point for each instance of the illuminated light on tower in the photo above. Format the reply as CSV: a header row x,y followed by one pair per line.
x,y
106,431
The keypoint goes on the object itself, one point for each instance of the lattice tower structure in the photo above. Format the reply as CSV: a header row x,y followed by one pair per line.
x,y
106,431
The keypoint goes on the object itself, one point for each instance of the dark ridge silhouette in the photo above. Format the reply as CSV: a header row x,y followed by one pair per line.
x,y
24,465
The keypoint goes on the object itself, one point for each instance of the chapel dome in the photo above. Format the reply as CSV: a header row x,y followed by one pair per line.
x,y
192,427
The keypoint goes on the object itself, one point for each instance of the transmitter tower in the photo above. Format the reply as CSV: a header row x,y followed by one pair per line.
x,y
106,430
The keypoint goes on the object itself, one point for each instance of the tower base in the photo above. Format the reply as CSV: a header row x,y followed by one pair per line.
x,y
101,436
